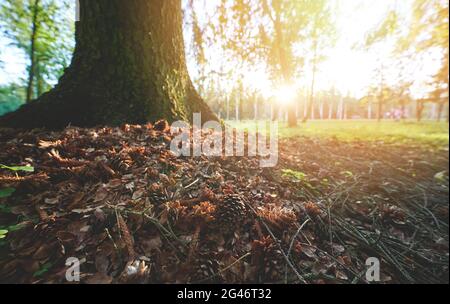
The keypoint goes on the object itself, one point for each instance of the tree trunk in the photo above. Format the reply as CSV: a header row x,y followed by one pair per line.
x,y
403,111
330,109
380,110
419,110
448,112
228,107
340,113
128,66
237,107
311,96
256,100
31,71
285,65
439,111
321,109
433,114
40,82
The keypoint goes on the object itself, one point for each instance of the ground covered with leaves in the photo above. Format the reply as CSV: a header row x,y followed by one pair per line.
x,y
119,201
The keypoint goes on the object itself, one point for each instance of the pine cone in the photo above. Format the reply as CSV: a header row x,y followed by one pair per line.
x,y
268,260
120,163
158,198
205,268
161,126
277,217
173,212
230,212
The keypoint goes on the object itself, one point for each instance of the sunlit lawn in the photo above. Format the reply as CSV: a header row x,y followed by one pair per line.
x,y
430,132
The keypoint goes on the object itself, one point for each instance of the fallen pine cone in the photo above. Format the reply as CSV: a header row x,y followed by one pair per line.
x,y
205,267
161,126
268,260
277,217
312,209
230,212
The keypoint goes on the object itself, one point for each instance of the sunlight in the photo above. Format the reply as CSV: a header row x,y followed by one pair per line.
x,y
286,94
259,80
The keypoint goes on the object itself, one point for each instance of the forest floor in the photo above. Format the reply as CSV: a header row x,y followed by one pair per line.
x,y
130,211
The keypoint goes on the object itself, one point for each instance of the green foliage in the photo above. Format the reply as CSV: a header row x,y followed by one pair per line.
x,y
3,233
298,176
429,30
347,173
294,174
387,28
6,192
441,177
18,168
273,32
43,270
53,41
11,98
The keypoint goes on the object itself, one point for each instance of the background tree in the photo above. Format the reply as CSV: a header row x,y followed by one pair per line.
x,y
40,29
11,97
320,35
429,31
268,32
384,31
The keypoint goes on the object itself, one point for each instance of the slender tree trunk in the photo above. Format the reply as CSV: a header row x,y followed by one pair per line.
x,y
403,111
310,106
129,66
341,109
313,84
433,111
286,69
439,111
40,83
448,112
237,106
330,110
32,68
305,109
228,107
419,110
321,110
291,115
256,100
380,109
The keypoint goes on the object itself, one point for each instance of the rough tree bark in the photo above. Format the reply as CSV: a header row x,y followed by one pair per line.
x,y
128,66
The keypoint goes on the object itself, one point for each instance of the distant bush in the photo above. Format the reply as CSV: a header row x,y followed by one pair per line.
x,y
10,98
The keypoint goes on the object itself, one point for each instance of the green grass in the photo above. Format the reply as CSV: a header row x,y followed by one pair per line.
x,y
390,131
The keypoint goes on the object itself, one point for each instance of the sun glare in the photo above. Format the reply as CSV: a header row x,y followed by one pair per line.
x,y
285,95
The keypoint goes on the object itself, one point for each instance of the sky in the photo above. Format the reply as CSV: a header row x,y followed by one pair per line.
x,y
347,69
